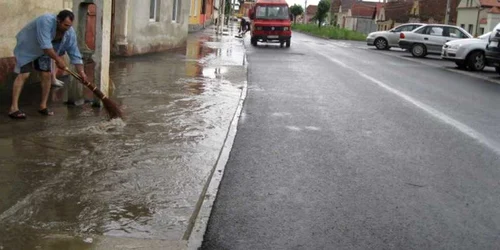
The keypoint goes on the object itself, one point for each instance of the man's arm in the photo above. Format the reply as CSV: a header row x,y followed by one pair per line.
x,y
59,60
75,55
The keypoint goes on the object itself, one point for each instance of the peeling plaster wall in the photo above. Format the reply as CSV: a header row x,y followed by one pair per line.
x,y
141,35
16,14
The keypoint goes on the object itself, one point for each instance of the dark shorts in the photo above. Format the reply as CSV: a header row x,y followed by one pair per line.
x,y
43,64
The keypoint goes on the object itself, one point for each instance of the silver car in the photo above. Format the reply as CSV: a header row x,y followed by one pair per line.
x,y
430,38
384,40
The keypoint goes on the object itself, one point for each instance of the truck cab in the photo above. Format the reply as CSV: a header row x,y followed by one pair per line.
x,y
270,22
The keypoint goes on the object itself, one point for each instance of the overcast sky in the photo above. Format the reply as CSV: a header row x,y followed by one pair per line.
x,y
313,2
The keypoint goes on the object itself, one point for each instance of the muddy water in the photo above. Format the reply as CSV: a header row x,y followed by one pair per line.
x,y
68,179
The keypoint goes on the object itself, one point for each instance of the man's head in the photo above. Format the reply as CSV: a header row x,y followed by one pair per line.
x,y
65,20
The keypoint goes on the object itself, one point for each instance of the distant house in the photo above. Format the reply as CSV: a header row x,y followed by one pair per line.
x,y
478,16
360,17
200,14
397,12
310,12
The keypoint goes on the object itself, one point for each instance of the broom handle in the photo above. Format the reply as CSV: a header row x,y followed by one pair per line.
x,y
89,85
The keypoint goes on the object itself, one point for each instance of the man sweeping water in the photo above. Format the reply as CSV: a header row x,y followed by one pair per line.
x,y
45,38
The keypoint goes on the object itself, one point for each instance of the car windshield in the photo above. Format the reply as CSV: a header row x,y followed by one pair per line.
x,y
272,12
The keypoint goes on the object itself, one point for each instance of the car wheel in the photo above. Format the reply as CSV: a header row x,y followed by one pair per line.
x,y
381,44
461,65
253,41
418,50
476,61
288,42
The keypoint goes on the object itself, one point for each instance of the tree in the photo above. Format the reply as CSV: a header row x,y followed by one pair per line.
x,y
296,10
323,9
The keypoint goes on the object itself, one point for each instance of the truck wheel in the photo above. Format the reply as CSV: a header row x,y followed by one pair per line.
x,y
282,44
288,41
475,61
253,40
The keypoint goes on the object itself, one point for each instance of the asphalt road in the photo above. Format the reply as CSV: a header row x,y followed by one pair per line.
x,y
345,147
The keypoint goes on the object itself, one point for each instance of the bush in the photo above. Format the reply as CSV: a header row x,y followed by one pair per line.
x,y
330,32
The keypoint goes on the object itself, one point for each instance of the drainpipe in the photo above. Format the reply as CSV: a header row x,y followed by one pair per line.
x,y
479,9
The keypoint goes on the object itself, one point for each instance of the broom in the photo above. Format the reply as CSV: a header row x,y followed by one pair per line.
x,y
111,107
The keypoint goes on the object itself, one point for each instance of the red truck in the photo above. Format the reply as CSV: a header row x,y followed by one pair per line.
x,y
270,22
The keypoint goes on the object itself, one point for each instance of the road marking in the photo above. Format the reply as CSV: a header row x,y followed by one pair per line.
x,y
493,145
463,72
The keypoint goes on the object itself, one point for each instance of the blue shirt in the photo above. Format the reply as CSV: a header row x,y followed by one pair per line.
x,y
38,35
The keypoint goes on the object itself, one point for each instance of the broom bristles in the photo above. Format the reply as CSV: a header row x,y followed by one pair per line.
x,y
112,108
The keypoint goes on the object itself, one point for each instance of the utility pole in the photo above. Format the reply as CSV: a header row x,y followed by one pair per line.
x,y
447,16
305,12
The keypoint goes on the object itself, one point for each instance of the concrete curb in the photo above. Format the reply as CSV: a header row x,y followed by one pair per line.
x,y
200,226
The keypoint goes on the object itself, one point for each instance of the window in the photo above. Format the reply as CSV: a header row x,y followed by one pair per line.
x,y
481,31
434,31
175,11
462,26
454,32
194,9
471,27
406,28
154,10
272,12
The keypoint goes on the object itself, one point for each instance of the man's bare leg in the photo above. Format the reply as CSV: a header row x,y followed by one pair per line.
x,y
17,89
46,78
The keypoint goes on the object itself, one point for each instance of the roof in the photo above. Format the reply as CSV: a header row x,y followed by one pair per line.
x,y
489,3
379,7
346,4
335,6
398,11
435,10
494,10
311,9
272,2
363,10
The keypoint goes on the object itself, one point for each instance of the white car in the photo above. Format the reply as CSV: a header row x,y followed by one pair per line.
x,y
467,53
384,40
430,38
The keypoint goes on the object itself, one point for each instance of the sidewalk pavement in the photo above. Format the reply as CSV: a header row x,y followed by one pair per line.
x,y
76,181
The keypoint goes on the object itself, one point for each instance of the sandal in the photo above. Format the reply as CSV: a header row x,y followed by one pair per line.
x,y
46,112
17,115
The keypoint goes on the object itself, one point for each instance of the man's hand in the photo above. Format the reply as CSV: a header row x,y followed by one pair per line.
x,y
60,63
83,76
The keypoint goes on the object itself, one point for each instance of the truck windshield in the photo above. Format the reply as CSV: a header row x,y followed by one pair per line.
x,y
272,12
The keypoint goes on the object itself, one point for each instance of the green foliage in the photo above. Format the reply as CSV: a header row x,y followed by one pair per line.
x,y
322,13
296,10
330,32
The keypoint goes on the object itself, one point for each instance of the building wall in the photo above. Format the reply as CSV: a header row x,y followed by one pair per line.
x,y
493,20
16,14
468,18
140,35
194,12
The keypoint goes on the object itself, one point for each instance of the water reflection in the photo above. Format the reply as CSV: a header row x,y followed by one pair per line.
x,y
76,175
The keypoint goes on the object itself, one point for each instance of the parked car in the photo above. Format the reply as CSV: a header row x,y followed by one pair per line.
x,y
384,40
492,52
430,38
467,53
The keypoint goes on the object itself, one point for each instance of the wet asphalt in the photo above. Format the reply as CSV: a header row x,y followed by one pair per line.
x,y
76,181
343,147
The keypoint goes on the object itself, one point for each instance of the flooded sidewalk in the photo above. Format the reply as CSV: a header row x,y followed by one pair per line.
x,y
77,181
